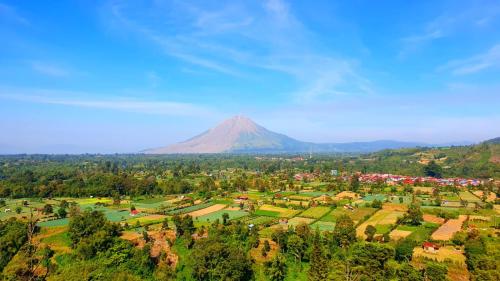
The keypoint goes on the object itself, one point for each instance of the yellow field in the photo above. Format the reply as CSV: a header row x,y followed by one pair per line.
x,y
423,189
443,254
399,234
380,217
147,218
207,210
298,220
284,212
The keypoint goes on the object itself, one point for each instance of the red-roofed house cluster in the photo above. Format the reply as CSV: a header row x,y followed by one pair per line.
x,y
398,179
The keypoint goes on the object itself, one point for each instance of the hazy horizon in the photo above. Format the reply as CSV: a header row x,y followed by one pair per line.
x,y
120,77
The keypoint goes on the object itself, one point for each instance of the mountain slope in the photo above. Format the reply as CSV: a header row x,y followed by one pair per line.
x,y
239,134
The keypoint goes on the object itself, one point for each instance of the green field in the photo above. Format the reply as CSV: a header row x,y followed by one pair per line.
x,y
260,220
371,197
356,215
218,215
323,226
190,208
267,213
469,197
315,212
422,232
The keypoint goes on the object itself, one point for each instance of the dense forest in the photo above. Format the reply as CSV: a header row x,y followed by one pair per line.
x,y
109,175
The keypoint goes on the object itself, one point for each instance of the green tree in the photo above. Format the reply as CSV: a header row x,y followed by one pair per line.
x,y
344,232
319,268
47,209
414,215
276,270
225,218
436,271
214,260
370,232
432,169
296,247
355,183
62,213
404,250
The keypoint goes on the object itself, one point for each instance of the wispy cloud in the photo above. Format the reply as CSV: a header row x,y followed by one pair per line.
x,y
215,38
474,64
128,104
49,69
455,19
10,13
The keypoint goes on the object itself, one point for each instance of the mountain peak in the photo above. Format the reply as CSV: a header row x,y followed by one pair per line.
x,y
240,134
237,124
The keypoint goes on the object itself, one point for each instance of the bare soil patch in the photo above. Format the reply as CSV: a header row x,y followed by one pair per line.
x,y
433,219
445,232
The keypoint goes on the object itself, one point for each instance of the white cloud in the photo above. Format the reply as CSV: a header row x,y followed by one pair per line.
x,y
474,64
49,69
128,104
217,40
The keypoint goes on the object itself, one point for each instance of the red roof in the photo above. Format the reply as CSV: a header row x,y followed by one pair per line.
x,y
430,245
134,212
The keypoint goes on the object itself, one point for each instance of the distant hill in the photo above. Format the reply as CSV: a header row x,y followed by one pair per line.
x,y
240,134
493,141
479,160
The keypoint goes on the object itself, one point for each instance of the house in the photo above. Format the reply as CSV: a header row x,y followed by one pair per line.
x,y
7,210
134,213
430,247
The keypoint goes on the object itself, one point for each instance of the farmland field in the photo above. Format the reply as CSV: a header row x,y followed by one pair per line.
x,y
469,197
267,213
211,217
382,217
446,231
283,212
323,225
397,234
443,254
207,210
298,220
356,215
315,212
260,220
190,208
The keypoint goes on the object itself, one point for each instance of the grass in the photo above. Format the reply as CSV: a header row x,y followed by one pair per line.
x,y
315,212
54,223
383,228
423,232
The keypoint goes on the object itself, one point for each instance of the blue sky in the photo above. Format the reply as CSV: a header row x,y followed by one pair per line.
x,y
122,76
